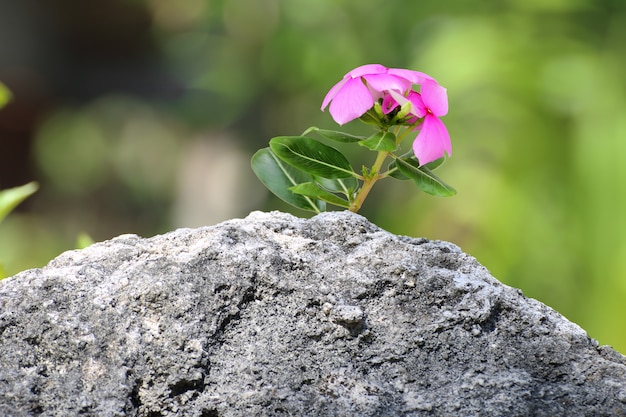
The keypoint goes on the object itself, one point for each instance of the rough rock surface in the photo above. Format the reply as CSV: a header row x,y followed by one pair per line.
x,y
274,315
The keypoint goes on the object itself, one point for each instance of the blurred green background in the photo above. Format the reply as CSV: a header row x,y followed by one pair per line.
x,y
140,116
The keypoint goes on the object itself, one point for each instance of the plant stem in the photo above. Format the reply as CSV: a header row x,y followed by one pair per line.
x,y
368,182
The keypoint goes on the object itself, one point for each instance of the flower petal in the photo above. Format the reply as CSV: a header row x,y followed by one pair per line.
x,y
388,104
399,98
435,98
433,141
365,70
332,92
351,101
417,107
415,77
386,82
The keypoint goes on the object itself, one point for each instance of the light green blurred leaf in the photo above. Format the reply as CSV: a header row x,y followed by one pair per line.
x,y
380,141
5,95
311,156
10,198
424,178
83,240
278,176
312,190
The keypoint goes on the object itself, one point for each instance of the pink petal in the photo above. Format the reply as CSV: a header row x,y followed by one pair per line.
x,y
332,92
385,82
388,104
365,70
351,101
435,98
376,94
417,108
399,98
433,141
415,77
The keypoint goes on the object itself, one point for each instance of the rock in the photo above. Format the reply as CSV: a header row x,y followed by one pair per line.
x,y
274,315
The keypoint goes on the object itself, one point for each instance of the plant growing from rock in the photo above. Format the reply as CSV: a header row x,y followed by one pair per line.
x,y
309,174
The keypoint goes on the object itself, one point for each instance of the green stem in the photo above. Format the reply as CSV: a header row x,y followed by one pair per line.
x,y
400,136
374,175
368,182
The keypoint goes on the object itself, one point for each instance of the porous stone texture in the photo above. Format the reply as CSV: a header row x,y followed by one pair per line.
x,y
275,315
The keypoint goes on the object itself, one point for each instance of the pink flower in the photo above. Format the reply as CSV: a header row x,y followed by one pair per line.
x,y
433,140
356,93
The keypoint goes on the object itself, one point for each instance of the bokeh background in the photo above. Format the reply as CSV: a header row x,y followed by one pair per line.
x,y
140,116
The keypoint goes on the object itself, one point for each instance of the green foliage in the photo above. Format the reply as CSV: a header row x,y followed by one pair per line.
x,y
279,177
5,95
422,176
83,240
380,141
311,156
10,198
308,174
336,136
315,191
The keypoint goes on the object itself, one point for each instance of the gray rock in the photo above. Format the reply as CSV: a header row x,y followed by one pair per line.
x,y
274,315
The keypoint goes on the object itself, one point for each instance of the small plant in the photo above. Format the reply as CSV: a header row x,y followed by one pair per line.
x,y
308,174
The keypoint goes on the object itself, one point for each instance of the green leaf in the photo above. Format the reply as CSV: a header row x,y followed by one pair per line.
x,y
436,163
312,190
394,172
11,197
424,178
5,95
311,156
380,142
346,186
338,136
278,176
83,240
